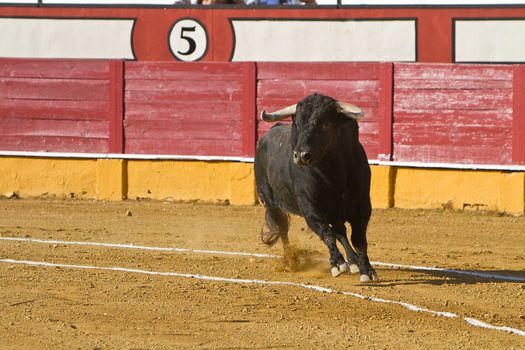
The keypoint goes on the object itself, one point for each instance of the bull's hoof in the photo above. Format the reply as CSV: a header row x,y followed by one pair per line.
x,y
340,269
354,268
268,237
371,276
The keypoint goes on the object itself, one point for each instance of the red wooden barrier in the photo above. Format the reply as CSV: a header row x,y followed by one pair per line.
x,y
184,108
54,105
453,113
437,113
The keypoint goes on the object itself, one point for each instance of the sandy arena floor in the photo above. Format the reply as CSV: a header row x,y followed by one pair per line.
x,y
71,307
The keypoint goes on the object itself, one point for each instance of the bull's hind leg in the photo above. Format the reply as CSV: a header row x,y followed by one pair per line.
x,y
277,224
351,256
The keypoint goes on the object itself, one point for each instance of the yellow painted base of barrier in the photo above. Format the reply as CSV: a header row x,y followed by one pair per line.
x,y
115,179
234,182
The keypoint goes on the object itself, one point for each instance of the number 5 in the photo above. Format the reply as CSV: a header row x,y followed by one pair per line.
x,y
189,39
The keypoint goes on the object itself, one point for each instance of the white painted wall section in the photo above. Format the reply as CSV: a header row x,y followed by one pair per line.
x,y
66,38
490,41
324,40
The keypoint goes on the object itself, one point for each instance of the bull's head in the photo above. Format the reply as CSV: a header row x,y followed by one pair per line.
x,y
316,121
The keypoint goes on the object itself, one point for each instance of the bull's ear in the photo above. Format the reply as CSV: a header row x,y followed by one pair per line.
x,y
350,110
279,115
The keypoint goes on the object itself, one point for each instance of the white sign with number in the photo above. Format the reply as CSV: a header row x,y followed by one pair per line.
x,y
188,40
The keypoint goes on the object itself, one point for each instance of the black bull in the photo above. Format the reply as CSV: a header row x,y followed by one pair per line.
x,y
316,168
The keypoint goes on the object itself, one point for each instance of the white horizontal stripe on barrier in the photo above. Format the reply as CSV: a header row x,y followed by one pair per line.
x,y
472,321
495,167
125,156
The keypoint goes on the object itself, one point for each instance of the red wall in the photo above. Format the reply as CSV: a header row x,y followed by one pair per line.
x,y
53,105
471,114
453,113
183,108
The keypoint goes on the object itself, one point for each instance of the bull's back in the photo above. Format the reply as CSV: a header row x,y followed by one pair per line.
x,y
272,169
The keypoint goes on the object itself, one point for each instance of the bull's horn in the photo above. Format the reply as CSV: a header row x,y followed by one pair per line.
x,y
279,115
350,110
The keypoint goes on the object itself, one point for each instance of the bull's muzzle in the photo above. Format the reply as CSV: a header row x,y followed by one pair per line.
x,y
303,157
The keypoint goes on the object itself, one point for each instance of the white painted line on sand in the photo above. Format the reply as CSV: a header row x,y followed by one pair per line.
x,y
472,321
139,247
476,274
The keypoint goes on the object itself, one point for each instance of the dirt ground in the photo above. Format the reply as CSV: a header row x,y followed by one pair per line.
x,y
72,308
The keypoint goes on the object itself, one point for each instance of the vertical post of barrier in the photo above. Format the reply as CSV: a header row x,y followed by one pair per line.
x,y
385,111
249,108
518,115
116,106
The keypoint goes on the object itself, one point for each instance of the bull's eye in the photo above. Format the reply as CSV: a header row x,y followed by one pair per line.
x,y
327,126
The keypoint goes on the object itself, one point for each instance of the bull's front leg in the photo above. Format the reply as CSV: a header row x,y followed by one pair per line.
x,y
359,242
351,256
328,236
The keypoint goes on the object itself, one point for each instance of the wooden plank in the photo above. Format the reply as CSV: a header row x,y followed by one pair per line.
x,y
163,85
175,130
460,84
186,91
385,111
448,72
52,68
354,91
54,89
369,128
317,71
40,127
452,99
249,109
189,147
53,109
502,117
116,107
518,116
451,135
193,71
53,144
462,155
216,111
